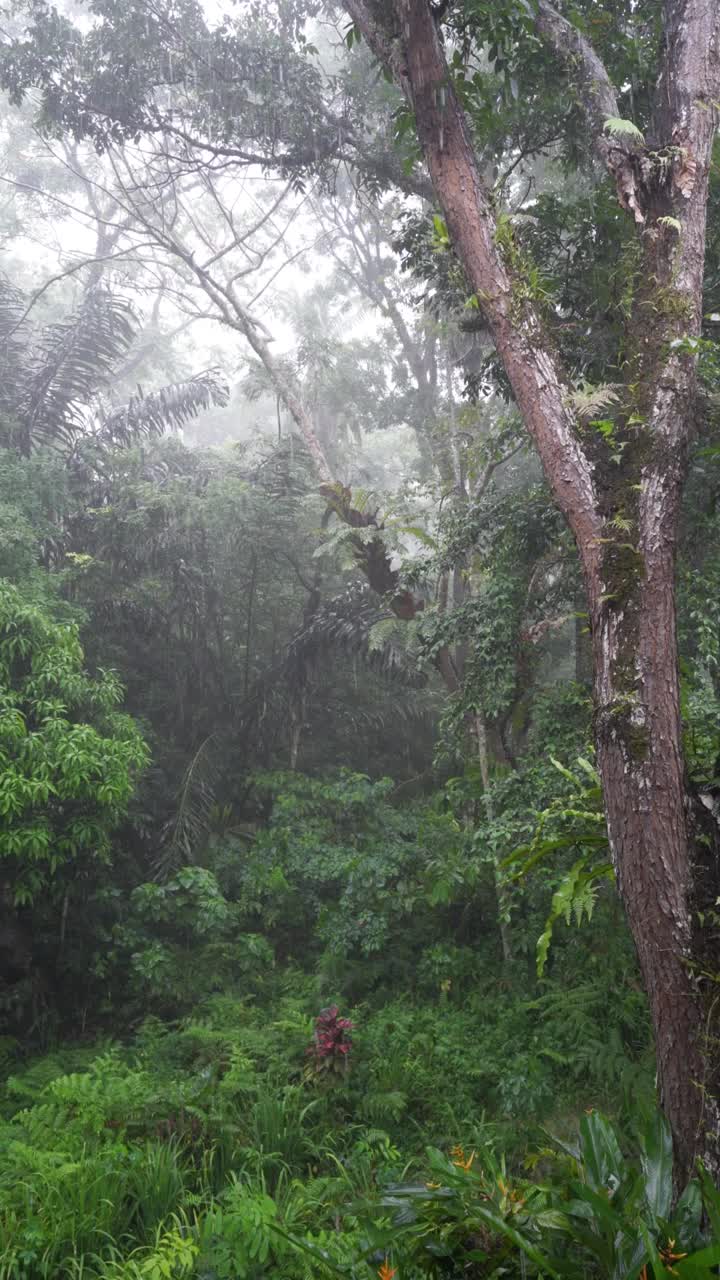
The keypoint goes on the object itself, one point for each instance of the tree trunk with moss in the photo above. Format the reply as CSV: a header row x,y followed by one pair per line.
x,y
621,495
661,870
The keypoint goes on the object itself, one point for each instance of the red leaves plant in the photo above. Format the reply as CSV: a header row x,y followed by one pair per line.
x,y
332,1042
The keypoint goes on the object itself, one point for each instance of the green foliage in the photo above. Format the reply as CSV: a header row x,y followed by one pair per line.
x,y
576,822
596,1213
624,129
186,940
69,757
293,843
190,1148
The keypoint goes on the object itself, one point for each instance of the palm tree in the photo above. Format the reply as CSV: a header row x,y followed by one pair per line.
x,y
54,379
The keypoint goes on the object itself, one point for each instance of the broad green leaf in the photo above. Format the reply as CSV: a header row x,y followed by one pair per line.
x,y
660,1271
657,1162
711,1200
688,1210
700,1265
530,1250
565,772
601,1155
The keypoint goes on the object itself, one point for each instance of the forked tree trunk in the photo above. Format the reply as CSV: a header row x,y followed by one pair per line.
x,y
621,502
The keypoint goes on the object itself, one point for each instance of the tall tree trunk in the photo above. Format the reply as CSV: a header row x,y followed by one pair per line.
x,y
501,892
623,514
297,723
638,737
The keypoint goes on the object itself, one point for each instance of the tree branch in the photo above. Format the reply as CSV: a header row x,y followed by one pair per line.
x,y
599,101
538,380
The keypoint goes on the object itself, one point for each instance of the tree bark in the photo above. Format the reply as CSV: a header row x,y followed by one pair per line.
x,y
638,737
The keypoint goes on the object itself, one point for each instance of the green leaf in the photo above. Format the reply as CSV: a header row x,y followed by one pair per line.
x,y
688,1211
352,35
711,1200
657,1162
601,1155
565,772
589,769
699,1265
659,1270
553,1220
530,1250
442,238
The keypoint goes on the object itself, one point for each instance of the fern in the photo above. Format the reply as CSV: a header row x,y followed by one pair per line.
x,y
589,402
574,899
345,537
363,500
581,825
624,129
389,1104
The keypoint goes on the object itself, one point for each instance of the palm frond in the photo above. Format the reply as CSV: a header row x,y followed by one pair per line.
x,y
400,706
354,624
168,409
384,632
187,831
13,346
69,361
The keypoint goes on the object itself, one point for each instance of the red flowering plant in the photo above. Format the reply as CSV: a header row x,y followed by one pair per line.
x,y
332,1043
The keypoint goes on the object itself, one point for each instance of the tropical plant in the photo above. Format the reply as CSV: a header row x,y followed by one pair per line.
x,y
55,378
69,757
69,761
596,1213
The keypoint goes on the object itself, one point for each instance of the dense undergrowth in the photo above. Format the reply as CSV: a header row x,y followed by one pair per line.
x,y
307,1055
218,1129
312,1049
232,1143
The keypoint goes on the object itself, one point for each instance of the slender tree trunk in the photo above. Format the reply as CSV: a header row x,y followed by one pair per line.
x,y
501,893
250,621
297,721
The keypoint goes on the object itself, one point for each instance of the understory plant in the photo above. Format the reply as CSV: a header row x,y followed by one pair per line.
x,y
594,1212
